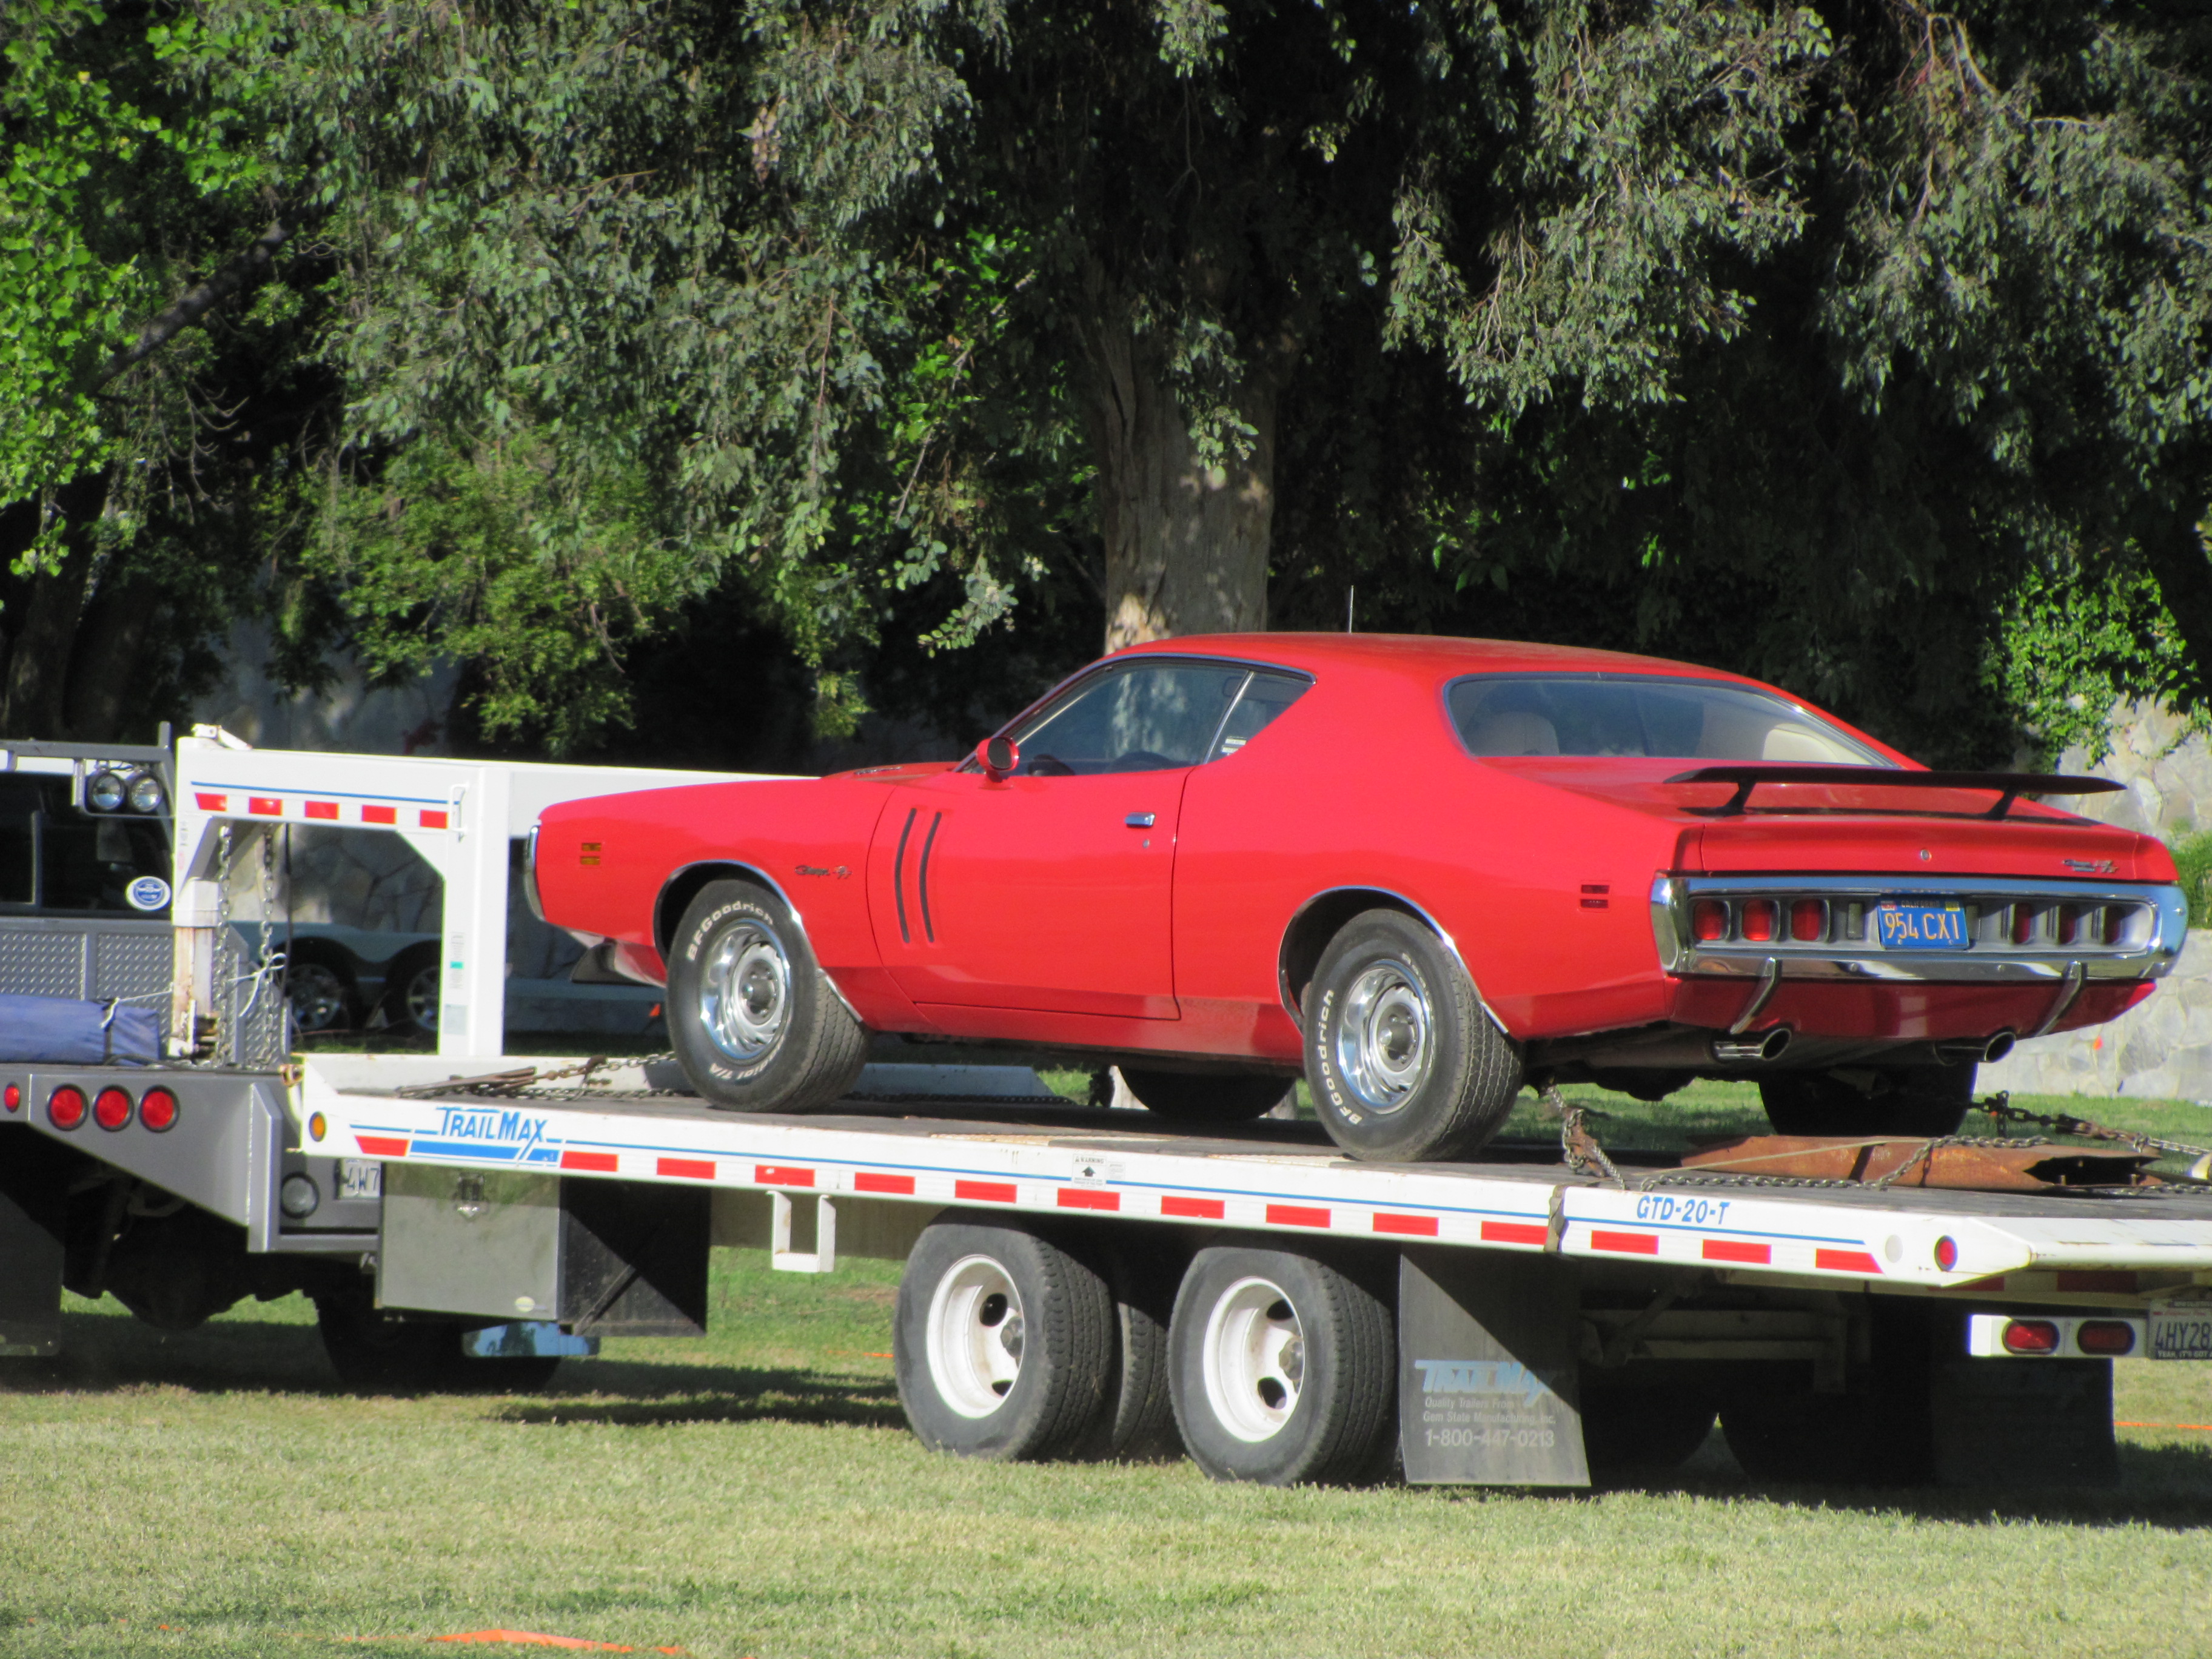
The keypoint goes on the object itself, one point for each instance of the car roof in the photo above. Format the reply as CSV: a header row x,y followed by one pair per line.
x,y
1425,655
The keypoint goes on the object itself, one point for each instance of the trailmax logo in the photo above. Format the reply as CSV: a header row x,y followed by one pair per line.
x,y
513,1128
1494,1377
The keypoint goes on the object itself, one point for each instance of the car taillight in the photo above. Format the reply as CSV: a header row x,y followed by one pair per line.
x,y
2031,1336
158,1110
1709,919
65,1107
111,1108
2104,1336
1759,917
2078,924
2116,924
1809,921
2023,923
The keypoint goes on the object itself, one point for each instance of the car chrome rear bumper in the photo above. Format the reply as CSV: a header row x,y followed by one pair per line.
x,y
1985,960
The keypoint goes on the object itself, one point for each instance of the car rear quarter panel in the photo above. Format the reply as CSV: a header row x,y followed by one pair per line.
x,y
1363,785
808,836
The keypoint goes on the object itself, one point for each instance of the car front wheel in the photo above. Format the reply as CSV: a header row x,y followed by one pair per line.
x,y
1403,1063
756,1024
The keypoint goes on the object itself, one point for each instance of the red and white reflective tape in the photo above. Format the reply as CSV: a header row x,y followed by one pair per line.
x,y
312,809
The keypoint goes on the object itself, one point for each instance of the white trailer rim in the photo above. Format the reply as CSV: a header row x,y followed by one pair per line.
x,y
1254,1359
974,1336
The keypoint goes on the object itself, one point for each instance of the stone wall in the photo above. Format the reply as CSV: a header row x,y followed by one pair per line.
x,y
2163,1049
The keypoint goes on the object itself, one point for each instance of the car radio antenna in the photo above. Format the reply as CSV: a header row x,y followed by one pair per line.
x,y
1348,592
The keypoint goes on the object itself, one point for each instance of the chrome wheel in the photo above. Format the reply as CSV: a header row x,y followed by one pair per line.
x,y
1253,1358
318,996
974,1336
745,991
419,1000
1383,1037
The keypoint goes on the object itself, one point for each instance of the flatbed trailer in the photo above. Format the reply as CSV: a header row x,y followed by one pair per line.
x,y
1549,1323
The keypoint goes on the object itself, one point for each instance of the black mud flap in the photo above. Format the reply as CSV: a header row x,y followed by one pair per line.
x,y
1486,1371
2024,1422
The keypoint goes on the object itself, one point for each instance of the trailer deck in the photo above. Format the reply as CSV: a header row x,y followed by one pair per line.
x,y
2100,1247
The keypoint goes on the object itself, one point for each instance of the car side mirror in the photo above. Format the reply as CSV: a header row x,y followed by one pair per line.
x,y
998,757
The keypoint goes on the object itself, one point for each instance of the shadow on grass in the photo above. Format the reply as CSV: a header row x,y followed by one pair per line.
x,y
621,1397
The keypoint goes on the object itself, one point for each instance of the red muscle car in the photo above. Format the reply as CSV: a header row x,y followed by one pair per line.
x,y
1420,871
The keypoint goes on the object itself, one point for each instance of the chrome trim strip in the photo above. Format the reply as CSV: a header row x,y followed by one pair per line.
x,y
2076,978
530,896
1769,977
1827,959
1283,968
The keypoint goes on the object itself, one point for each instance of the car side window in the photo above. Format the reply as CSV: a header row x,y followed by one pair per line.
x,y
1148,717
1266,696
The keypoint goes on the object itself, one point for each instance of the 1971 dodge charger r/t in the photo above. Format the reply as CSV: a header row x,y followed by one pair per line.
x,y
1419,870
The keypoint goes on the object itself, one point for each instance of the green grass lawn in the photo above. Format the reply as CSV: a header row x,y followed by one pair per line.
x,y
757,1494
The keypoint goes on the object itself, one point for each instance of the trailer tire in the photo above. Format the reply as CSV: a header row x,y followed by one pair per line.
x,y
1902,1100
1206,1096
1404,1065
1002,1342
1283,1368
1136,1417
374,1353
754,1020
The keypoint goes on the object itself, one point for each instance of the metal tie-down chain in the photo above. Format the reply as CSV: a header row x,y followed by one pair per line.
x,y
498,1085
1576,1144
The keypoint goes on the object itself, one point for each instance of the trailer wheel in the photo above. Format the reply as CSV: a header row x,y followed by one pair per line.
x,y
1002,1342
1900,1100
1206,1096
1403,1063
754,1022
1639,1433
1282,1368
375,1353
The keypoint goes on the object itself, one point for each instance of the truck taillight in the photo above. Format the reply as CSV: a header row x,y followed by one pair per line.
x,y
2109,1336
12,1098
65,1107
111,1108
158,1110
2031,1336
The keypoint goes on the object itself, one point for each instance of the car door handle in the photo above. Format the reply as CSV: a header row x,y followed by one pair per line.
x,y
1139,820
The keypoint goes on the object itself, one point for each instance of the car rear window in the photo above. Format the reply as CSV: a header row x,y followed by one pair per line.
x,y
1501,714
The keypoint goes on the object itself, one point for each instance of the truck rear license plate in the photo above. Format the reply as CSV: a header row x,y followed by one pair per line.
x,y
360,1177
1921,926
2181,1333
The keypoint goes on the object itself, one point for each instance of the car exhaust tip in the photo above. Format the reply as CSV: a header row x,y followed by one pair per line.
x,y
1759,1048
1976,1052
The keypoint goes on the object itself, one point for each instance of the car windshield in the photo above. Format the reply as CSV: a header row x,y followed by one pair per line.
x,y
1610,714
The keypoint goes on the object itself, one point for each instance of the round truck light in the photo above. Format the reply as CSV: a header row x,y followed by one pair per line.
x,y
157,1110
106,792
13,1097
1946,1253
146,795
65,1107
2104,1336
299,1196
317,1127
2031,1336
111,1108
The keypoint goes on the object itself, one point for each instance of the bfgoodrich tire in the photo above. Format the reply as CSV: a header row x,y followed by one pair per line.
x,y
1901,1100
1283,1368
1003,1342
1403,1064
755,1025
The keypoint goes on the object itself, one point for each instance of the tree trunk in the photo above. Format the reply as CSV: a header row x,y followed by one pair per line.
x,y
106,659
1185,545
39,654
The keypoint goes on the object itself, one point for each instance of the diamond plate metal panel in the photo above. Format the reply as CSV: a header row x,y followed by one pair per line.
x,y
42,963
132,964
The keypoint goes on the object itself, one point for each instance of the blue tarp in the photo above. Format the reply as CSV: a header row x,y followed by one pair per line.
x,y
64,1031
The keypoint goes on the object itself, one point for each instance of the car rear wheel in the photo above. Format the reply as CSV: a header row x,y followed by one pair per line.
x,y
1206,1096
1282,1367
1902,1100
755,1025
1402,1062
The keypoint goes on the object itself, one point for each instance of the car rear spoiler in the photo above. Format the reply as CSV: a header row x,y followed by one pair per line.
x,y
2009,786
